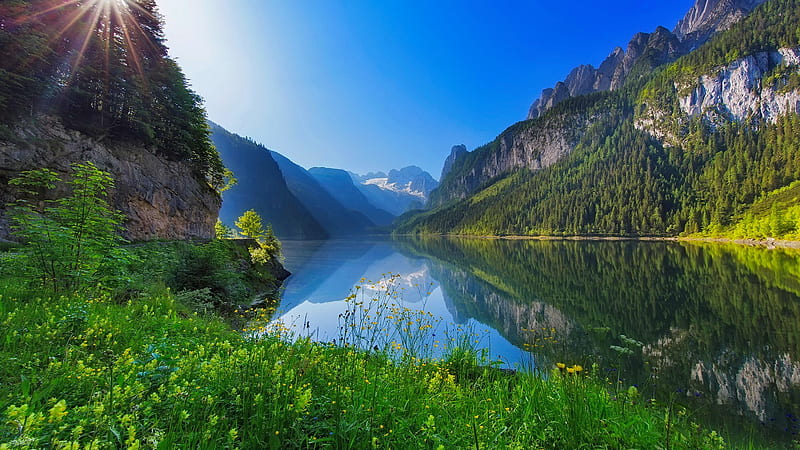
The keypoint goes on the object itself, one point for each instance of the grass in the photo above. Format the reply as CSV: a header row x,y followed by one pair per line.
x,y
92,371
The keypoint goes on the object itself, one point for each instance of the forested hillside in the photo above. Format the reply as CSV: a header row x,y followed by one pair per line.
x,y
690,148
93,81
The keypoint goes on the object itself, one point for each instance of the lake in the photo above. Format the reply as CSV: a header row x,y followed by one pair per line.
x,y
715,327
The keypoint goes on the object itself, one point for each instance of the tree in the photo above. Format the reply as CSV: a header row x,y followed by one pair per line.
x,y
104,69
252,227
67,240
222,231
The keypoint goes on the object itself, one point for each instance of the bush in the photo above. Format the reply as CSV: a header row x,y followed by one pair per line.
x,y
69,240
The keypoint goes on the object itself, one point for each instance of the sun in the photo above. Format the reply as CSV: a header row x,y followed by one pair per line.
x,y
113,23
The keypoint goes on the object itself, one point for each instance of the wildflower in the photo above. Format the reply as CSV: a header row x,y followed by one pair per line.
x,y
58,411
577,368
561,366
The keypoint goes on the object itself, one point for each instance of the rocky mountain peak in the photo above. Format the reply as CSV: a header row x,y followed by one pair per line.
x,y
710,16
659,47
455,153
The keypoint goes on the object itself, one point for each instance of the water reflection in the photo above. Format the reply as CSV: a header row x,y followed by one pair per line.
x,y
718,325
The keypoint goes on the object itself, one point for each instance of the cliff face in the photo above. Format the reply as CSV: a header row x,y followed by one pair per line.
x,y
521,146
736,90
160,199
710,16
754,87
455,152
740,91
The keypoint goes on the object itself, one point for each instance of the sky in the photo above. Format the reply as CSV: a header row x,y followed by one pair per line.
x,y
368,85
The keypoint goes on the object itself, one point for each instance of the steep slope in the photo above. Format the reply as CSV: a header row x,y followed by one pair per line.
x,y
711,16
340,186
455,153
646,51
687,149
337,218
261,187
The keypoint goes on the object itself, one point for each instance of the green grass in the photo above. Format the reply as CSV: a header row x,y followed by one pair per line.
x,y
92,371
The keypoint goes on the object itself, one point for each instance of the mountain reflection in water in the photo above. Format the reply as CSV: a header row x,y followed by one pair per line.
x,y
715,326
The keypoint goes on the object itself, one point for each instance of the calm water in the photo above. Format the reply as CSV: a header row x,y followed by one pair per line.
x,y
715,327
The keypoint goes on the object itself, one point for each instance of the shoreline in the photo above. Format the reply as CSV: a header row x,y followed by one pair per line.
x,y
769,243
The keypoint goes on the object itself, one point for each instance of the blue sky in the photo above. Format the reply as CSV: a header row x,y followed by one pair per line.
x,y
370,85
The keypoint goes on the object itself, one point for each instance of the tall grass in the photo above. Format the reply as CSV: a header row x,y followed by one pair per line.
x,y
90,372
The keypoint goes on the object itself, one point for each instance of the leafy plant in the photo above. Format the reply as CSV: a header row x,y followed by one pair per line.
x,y
68,240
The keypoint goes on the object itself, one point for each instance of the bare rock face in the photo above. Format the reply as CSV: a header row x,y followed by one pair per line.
x,y
455,152
711,16
738,91
706,18
521,146
161,199
742,90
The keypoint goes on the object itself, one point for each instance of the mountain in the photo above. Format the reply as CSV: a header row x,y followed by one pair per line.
x,y
261,187
399,190
339,185
337,218
646,51
711,16
455,153
689,147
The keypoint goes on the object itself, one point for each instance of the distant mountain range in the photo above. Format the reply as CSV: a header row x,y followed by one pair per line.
x,y
317,203
399,191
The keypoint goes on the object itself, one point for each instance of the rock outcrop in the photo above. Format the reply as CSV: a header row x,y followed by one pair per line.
x,y
521,146
755,87
653,49
711,16
455,153
160,198
739,90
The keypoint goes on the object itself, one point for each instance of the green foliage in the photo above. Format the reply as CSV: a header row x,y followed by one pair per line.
x,y
210,267
250,225
222,231
105,76
78,372
68,240
269,247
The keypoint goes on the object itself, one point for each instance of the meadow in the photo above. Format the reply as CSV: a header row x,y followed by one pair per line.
x,y
155,368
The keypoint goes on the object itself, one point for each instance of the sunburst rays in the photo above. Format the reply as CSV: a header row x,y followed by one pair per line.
x,y
87,22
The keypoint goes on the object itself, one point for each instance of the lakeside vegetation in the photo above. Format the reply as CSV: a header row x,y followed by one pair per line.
x,y
94,370
142,359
